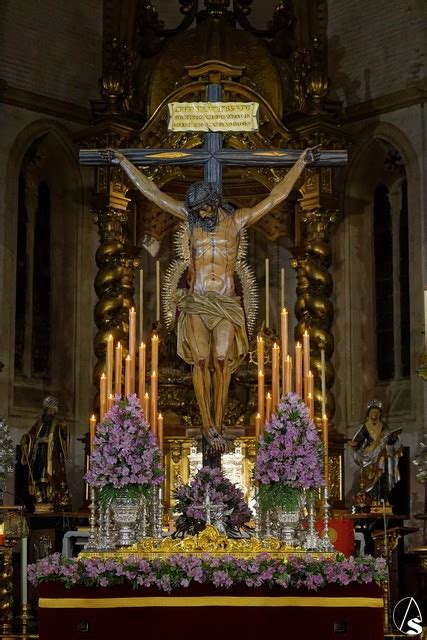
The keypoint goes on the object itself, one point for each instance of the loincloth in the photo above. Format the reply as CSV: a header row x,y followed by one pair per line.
x,y
212,308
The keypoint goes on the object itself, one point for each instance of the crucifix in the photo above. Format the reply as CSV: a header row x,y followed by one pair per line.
x,y
211,333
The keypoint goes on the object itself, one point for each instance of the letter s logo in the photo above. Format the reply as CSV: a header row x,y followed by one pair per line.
x,y
413,624
407,617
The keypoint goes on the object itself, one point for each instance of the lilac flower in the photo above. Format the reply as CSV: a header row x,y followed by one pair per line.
x,y
289,450
222,492
126,452
180,571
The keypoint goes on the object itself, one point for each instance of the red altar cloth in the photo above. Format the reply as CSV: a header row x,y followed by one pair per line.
x,y
108,613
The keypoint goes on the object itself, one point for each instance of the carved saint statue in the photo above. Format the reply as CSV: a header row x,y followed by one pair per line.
x,y
376,451
211,329
44,450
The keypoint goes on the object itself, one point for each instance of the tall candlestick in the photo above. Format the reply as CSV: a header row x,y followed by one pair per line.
x,y
102,396
261,397
153,408
132,332
284,342
110,364
260,353
141,371
155,352
310,404
288,376
128,375
257,426
267,292
268,407
132,345
322,372
160,431
92,432
275,359
141,304
146,407
306,359
24,572
110,401
310,384
118,372
298,369
157,291
282,288
325,447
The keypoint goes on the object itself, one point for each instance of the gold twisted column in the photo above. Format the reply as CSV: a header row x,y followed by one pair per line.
x,y
114,282
315,313
6,574
314,310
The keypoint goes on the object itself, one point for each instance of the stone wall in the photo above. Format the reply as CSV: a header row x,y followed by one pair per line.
x,y
375,48
52,48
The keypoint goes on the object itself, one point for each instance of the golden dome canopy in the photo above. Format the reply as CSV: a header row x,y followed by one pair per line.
x,y
215,39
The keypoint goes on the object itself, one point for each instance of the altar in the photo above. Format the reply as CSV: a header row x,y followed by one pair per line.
x,y
353,611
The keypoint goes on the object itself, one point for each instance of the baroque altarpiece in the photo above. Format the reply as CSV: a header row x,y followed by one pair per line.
x,y
289,83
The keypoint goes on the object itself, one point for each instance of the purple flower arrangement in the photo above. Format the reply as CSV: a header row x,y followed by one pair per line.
x,y
182,570
126,459
191,497
289,455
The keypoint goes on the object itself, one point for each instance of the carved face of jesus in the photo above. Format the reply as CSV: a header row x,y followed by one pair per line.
x,y
206,212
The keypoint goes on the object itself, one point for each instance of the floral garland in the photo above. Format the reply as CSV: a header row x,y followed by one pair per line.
x,y
181,571
126,458
222,492
289,455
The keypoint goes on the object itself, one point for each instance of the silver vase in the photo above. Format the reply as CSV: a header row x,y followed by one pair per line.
x,y
287,525
125,514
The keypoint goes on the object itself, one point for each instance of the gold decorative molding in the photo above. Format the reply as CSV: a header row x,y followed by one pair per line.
x,y
208,541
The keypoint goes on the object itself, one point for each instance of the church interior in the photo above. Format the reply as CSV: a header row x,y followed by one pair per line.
x,y
106,293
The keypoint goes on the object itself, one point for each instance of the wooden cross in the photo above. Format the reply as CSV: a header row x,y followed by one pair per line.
x,y
213,156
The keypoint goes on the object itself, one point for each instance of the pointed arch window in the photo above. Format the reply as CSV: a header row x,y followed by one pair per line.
x,y
391,261
33,275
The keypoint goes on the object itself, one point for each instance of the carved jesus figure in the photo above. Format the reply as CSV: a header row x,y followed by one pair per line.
x,y
211,329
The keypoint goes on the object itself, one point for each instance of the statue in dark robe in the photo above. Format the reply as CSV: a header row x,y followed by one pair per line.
x,y
44,450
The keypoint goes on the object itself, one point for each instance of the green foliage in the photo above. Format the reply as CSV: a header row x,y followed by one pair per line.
x,y
281,495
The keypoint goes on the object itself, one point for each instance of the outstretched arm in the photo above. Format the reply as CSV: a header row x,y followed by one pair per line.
x,y
280,191
146,185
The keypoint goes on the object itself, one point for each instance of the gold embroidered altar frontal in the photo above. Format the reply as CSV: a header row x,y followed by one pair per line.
x,y
209,601
209,541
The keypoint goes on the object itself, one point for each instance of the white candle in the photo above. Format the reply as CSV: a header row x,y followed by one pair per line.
x,y
322,373
257,425
298,369
261,398
267,292
160,431
141,372
110,364
102,396
275,360
306,360
157,291
24,565
141,304
282,288
284,339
